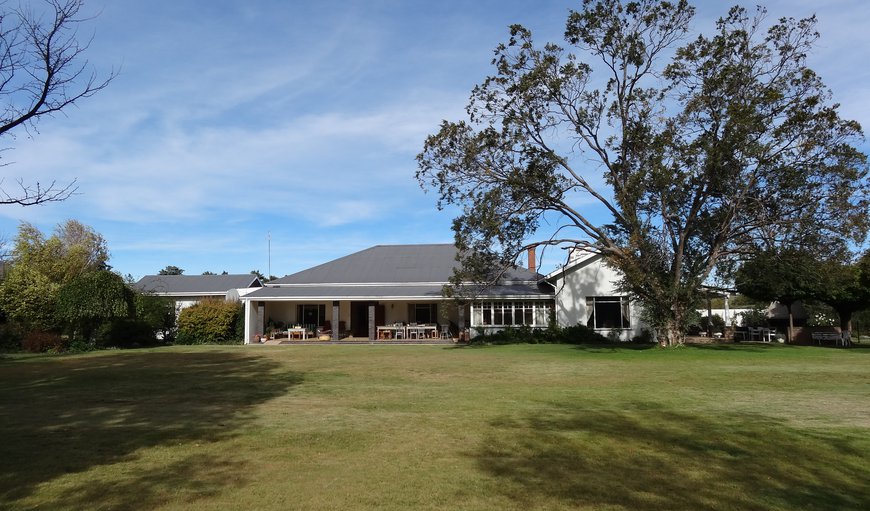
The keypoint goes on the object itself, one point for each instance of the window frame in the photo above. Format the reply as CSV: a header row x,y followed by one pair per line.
x,y
598,307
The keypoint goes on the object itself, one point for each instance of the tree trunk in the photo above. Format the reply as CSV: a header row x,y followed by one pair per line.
x,y
845,320
790,329
673,327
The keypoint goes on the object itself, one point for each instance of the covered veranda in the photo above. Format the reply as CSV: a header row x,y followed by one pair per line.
x,y
357,312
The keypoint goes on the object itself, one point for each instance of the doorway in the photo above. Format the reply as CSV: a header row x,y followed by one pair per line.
x,y
359,318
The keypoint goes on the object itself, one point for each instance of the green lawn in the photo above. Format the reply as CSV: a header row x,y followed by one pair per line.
x,y
425,427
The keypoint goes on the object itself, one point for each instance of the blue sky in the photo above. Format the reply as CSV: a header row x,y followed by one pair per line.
x,y
231,120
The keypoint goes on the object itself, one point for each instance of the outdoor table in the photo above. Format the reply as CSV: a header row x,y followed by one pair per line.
x,y
389,331
423,331
303,333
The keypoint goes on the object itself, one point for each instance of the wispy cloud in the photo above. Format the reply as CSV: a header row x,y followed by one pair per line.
x,y
230,119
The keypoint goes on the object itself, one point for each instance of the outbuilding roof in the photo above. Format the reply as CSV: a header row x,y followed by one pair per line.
x,y
195,285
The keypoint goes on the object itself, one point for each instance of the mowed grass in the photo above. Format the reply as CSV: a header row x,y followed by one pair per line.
x,y
411,427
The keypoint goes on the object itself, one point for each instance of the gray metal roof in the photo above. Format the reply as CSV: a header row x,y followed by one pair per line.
x,y
390,292
195,285
394,264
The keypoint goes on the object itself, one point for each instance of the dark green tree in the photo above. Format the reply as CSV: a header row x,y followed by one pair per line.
x,y
93,299
171,270
846,288
785,276
695,160
158,313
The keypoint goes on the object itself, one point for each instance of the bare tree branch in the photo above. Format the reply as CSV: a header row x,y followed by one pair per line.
x,y
42,72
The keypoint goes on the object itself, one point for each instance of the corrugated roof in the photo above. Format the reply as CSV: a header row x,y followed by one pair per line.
x,y
395,264
195,285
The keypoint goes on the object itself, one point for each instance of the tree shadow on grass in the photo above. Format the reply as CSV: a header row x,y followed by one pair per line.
x,y
649,457
70,414
613,347
743,347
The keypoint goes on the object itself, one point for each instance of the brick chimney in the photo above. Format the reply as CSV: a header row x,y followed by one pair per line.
x,y
532,263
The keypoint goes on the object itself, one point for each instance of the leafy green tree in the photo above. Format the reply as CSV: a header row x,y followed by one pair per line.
x,y
785,276
158,312
171,270
846,288
93,299
40,266
27,297
733,142
72,250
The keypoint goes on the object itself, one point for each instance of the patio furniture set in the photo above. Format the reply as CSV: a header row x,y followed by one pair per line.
x,y
386,332
838,338
754,334
413,331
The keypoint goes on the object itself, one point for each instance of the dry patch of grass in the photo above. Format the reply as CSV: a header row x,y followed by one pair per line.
x,y
407,427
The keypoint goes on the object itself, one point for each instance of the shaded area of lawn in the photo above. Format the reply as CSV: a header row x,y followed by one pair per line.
x,y
651,457
67,415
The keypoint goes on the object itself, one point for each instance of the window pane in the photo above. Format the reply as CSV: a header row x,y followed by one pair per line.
x,y
477,315
498,313
626,313
608,315
487,314
423,313
542,316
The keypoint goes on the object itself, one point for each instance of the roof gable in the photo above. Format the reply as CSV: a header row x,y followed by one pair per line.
x,y
576,261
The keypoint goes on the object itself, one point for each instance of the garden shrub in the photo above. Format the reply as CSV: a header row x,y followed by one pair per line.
x,y
646,337
125,333
581,334
38,341
158,312
699,324
210,322
577,334
10,341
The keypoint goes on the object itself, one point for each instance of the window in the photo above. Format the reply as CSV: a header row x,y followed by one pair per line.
x,y
311,314
608,312
528,313
543,312
536,313
498,313
487,313
423,312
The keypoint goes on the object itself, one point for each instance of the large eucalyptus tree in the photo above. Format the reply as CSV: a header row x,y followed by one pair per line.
x,y
695,152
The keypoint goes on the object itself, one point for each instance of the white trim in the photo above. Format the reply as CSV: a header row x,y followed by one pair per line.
x,y
326,298
385,284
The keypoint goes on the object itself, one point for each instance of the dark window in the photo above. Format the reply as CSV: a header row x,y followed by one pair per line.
x,y
608,312
311,314
424,313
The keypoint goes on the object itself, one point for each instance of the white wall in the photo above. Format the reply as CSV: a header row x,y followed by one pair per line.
x,y
595,278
